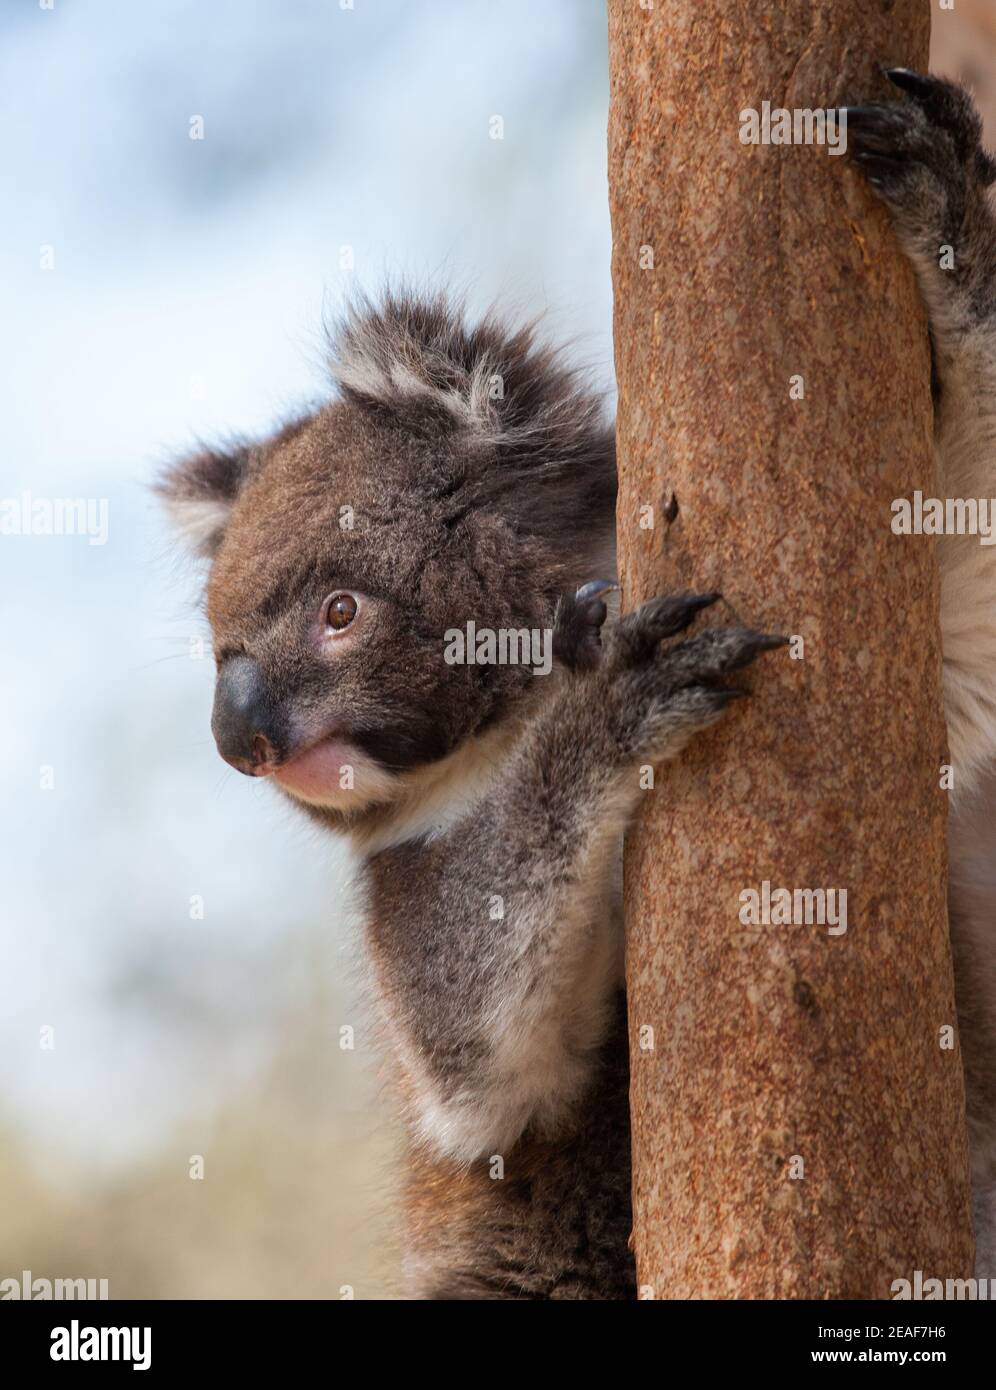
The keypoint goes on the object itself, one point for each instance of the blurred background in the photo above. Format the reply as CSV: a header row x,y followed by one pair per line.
x,y
185,936
177,952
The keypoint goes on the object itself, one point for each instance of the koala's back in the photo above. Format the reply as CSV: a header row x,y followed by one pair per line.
x,y
556,1225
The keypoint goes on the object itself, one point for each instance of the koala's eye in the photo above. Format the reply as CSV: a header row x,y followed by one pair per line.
x,y
340,610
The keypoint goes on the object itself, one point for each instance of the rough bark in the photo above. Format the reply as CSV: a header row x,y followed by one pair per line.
x,y
779,1045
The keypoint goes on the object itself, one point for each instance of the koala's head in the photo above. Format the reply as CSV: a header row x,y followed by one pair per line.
x,y
460,476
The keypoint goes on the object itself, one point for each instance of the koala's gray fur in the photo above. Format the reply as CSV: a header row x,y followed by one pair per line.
x,y
924,158
489,804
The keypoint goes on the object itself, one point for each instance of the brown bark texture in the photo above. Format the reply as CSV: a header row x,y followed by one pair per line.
x,y
799,1128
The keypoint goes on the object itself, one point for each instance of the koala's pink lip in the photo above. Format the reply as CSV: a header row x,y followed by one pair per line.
x,y
318,767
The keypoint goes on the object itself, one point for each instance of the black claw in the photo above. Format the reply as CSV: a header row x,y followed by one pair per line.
x,y
755,643
730,693
913,82
661,617
680,612
594,589
671,508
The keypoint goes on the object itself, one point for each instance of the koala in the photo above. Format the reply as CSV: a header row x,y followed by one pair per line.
x,y
924,159
465,474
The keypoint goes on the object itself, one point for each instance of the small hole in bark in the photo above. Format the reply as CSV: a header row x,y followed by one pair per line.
x,y
802,993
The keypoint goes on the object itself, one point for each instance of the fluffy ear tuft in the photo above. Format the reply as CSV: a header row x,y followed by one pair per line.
x,y
198,493
416,360
536,446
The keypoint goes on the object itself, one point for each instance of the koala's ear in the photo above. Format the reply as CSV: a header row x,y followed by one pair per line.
x,y
199,492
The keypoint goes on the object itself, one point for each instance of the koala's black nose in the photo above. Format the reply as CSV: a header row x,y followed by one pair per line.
x,y
244,717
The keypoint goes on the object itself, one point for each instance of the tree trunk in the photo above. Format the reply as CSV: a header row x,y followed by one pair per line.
x,y
798,1105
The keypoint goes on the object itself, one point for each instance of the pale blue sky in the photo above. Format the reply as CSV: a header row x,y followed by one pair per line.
x,y
186,300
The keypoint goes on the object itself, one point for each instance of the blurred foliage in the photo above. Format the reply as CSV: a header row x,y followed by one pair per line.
x,y
295,1201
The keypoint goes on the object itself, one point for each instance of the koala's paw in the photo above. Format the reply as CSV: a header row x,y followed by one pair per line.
x,y
660,697
923,157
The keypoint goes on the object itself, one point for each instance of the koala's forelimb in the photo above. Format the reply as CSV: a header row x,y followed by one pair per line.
x,y
501,977
924,159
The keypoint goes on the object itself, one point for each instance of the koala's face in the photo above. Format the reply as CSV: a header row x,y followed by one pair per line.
x,y
333,585
346,547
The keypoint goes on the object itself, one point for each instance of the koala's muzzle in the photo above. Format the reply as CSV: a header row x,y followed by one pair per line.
x,y
245,720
